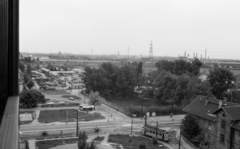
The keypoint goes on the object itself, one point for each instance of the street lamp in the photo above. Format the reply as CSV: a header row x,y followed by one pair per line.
x,y
133,115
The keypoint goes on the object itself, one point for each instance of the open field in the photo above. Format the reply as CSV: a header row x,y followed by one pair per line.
x,y
137,106
55,92
126,141
49,116
53,143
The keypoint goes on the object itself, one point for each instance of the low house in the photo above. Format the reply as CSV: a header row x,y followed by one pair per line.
x,y
217,120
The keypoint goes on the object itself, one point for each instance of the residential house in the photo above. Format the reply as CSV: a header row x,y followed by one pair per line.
x,y
216,119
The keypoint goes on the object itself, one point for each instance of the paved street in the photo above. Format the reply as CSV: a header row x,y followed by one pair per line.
x,y
114,122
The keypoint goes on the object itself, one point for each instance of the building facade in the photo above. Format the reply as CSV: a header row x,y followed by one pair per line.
x,y
218,120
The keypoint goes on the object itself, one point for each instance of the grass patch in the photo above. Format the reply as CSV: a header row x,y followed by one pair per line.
x,y
126,141
132,105
53,143
61,105
22,112
25,122
73,96
49,116
55,92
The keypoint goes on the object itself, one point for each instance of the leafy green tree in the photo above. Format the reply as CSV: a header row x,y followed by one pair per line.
x,y
139,71
142,145
94,98
91,145
21,66
165,65
29,70
189,127
179,67
126,81
30,98
221,80
165,87
30,83
97,130
82,140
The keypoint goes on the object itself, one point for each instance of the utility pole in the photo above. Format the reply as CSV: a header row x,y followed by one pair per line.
x,y
67,113
145,125
77,125
156,129
133,115
179,145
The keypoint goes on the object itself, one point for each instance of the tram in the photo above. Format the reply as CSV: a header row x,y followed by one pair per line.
x,y
155,132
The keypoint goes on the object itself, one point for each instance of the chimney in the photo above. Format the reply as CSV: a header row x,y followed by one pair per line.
x,y
220,104
206,102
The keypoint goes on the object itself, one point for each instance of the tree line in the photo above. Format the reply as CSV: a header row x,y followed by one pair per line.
x,y
174,82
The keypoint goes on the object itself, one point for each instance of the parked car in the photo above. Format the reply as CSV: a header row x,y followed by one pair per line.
x,y
61,102
51,104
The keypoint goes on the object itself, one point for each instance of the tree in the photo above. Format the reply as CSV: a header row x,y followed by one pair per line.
x,y
94,98
221,80
189,127
91,145
138,71
30,98
165,87
165,65
142,145
30,83
97,130
82,140
21,66
179,67
29,70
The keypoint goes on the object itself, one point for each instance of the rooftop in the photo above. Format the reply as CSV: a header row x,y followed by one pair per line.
x,y
204,107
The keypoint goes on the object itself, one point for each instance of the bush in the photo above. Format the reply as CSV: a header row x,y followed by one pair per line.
x,y
30,98
142,145
155,141
44,133
159,110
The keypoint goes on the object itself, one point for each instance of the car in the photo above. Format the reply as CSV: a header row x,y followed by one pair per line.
x,y
50,103
61,102
71,98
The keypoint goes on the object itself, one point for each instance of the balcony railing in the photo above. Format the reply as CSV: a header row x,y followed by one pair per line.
x,y
9,128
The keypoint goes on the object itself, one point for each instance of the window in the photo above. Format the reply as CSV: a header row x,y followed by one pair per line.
x,y
223,124
209,126
209,138
222,138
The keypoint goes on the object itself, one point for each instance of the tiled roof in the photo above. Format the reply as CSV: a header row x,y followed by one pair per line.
x,y
204,107
232,111
236,125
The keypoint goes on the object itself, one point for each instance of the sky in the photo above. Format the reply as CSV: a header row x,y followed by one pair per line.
x,y
104,27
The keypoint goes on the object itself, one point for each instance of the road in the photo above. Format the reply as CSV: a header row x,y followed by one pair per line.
x,y
114,122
